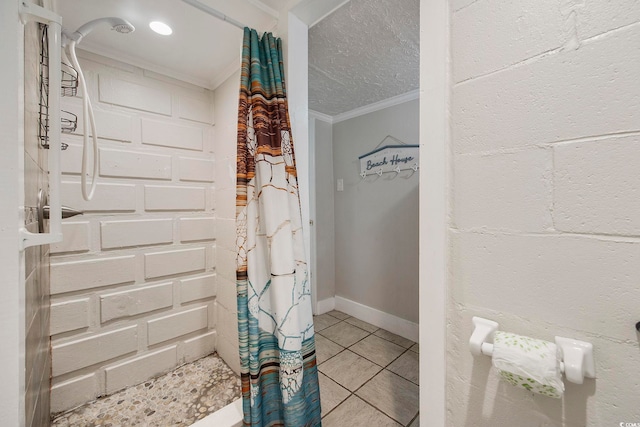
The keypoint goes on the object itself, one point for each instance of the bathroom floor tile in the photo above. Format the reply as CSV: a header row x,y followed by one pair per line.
x,y
407,367
338,314
331,394
377,350
349,370
323,321
396,339
325,349
393,395
416,422
353,412
415,347
361,324
344,334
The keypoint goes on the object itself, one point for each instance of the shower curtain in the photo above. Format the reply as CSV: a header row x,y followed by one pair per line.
x,y
275,324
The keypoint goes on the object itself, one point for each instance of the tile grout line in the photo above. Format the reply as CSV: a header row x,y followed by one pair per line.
x,y
414,418
351,393
370,333
383,367
371,404
342,401
378,409
377,364
345,348
399,374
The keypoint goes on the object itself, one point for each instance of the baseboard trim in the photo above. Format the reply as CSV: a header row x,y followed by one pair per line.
x,y
326,305
391,323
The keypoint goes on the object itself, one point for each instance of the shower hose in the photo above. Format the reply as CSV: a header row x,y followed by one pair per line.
x,y
87,118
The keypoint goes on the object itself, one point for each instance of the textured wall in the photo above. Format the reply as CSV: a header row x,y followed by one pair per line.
x,y
364,52
376,220
133,284
36,285
544,221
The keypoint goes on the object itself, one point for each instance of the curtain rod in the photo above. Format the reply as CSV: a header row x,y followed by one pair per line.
x,y
215,13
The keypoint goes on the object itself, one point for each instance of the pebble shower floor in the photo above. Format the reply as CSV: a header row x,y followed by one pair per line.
x,y
179,398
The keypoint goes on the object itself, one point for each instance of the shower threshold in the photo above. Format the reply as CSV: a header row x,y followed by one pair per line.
x,y
180,398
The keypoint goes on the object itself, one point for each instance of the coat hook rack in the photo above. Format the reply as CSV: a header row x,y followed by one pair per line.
x,y
391,155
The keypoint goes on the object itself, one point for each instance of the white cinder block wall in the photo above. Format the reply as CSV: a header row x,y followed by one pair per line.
x,y
545,217
133,284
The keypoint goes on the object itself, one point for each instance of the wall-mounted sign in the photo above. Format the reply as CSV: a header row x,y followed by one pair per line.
x,y
390,158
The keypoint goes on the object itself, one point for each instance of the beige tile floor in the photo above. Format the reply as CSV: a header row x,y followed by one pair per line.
x,y
368,376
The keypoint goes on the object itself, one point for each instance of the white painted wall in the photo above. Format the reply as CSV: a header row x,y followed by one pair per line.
x,y
297,84
12,313
226,116
376,220
325,279
434,191
133,283
544,214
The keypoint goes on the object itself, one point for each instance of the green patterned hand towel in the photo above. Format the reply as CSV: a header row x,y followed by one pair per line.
x,y
528,363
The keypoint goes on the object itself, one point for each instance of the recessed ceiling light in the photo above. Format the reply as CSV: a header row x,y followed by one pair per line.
x,y
160,28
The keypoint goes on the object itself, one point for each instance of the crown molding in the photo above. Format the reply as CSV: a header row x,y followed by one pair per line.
x,y
233,67
267,9
329,12
376,106
366,109
313,114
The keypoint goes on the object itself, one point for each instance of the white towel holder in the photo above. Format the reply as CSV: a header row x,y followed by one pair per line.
x,y
576,356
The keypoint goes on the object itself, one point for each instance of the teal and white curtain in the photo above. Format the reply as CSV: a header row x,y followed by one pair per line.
x,y
275,324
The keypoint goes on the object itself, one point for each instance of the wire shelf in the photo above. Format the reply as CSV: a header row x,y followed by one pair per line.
x,y
69,81
69,87
69,122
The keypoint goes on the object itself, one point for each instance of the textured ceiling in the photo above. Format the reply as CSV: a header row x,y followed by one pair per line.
x,y
364,52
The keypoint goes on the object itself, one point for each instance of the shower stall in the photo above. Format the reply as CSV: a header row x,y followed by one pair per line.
x,y
144,281
129,292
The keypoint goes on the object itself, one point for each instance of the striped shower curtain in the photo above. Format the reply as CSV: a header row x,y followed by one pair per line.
x,y
275,324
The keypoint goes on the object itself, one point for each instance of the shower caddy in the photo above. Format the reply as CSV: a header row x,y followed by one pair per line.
x,y
50,126
58,78
68,87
